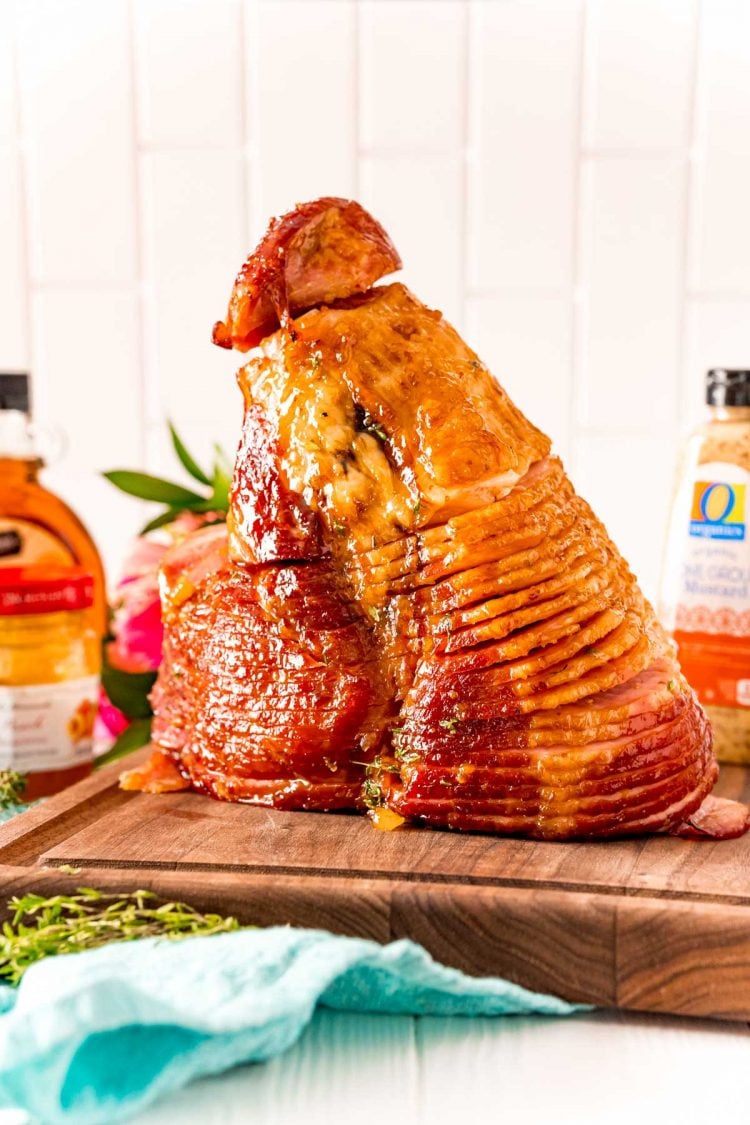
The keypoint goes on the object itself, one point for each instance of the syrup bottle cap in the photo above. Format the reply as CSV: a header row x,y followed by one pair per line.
x,y
15,391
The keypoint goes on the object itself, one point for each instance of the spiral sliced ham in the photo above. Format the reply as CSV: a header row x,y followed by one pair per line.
x,y
410,610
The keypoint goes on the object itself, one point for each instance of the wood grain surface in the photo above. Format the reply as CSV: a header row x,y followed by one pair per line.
x,y
653,924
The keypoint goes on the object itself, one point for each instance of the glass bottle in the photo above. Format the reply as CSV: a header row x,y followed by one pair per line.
x,y
43,542
50,661
706,584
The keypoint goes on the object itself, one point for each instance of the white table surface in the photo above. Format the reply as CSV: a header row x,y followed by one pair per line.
x,y
602,1068
597,1069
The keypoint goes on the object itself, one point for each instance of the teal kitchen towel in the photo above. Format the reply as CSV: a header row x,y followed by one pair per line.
x,y
93,1037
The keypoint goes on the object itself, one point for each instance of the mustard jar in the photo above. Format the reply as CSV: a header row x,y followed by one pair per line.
x,y
706,587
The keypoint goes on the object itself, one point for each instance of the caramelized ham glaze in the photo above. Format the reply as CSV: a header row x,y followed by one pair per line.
x,y
410,608
313,255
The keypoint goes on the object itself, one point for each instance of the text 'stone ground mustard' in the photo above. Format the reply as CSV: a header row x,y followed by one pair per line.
x,y
706,587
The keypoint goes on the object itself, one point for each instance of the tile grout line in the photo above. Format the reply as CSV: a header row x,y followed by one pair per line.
x,y
357,151
144,381
575,296
245,153
717,296
466,106
473,78
19,125
394,151
632,431
501,292
687,221
251,58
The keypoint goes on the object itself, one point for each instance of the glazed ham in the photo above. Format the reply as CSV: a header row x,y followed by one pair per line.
x,y
315,254
410,610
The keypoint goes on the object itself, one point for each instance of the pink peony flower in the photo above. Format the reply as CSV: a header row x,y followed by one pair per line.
x,y
136,615
136,624
109,723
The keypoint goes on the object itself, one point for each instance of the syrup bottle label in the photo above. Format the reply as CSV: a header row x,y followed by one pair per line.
x,y
23,543
47,726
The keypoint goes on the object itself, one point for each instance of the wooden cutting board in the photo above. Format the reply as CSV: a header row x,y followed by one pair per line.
x,y
655,924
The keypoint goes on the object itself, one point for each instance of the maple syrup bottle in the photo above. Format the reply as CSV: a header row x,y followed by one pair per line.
x,y
52,614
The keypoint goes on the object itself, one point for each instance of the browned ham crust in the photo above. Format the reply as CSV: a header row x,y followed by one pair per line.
x,y
410,606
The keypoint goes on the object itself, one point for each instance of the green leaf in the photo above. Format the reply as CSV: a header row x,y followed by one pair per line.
x,y
128,691
146,487
222,461
136,735
167,516
220,496
188,462
222,481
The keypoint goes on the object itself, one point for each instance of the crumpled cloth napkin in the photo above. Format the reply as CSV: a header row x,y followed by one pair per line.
x,y
93,1037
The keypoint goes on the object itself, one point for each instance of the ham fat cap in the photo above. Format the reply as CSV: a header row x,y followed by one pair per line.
x,y
410,608
315,254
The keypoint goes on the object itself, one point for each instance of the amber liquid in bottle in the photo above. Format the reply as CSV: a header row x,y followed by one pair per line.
x,y
39,530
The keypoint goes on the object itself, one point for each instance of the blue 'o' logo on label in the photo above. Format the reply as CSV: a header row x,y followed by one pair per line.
x,y
718,510
717,502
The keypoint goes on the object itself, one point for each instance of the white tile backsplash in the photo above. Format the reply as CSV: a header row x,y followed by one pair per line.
x,y
419,201
721,250
77,133
8,107
633,488
188,57
302,91
567,179
14,342
192,228
630,285
526,342
523,110
87,372
717,334
402,51
87,383
639,74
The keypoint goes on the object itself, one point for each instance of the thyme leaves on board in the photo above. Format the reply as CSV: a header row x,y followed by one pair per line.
x,y
40,927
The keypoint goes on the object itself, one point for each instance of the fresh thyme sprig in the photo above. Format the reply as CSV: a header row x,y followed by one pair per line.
x,y
406,757
451,725
12,788
372,793
41,927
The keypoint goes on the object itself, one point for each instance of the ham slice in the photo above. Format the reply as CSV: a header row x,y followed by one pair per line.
x,y
410,610
715,819
158,774
319,252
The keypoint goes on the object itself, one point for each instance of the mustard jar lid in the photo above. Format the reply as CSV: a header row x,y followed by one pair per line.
x,y
728,386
